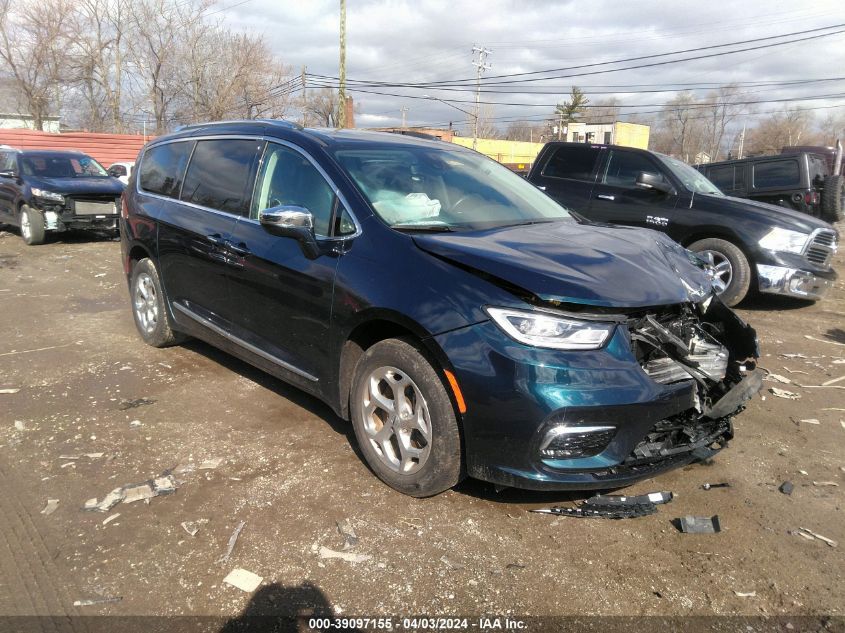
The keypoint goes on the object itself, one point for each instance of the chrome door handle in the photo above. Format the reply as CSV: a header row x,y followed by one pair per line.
x,y
216,239
240,249
604,196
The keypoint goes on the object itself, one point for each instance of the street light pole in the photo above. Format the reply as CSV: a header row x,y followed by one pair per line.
x,y
480,66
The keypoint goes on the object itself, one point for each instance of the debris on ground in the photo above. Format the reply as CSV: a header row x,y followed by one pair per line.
x,y
243,580
134,404
749,594
94,601
613,506
138,492
349,557
163,485
786,487
821,340
711,486
210,464
778,378
9,391
833,382
699,525
821,484
782,393
51,506
232,540
134,424
108,502
810,421
350,539
803,472
19,425
110,518
192,527
450,564
810,535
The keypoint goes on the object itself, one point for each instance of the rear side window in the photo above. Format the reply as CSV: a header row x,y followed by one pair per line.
x,y
818,170
624,167
722,177
163,168
574,162
220,175
777,173
8,162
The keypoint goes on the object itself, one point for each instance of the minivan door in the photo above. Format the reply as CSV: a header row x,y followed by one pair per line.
x,y
8,185
568,174
283,297
618,200
194,231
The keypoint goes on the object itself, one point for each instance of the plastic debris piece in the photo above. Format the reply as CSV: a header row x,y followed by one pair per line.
x,y
19,425
110,518
804,532
192,527
782,393
165,485
91,602
349,557
719,485
232,540
786,487
138,492
210,464
656,498
603,512
350,539
700,525
94,455
243,580
810,421
749,594
134,424
51,506
69,457
108,502
821,484
833,381
778,378
9,391
803,472
821,340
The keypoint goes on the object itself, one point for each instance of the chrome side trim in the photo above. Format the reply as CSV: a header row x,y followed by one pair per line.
x,y
242,343
552,433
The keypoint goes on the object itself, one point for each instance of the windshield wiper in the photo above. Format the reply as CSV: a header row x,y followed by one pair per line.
x,y
433,228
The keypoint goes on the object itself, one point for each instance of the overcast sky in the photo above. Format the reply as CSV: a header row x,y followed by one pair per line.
x,y
431,40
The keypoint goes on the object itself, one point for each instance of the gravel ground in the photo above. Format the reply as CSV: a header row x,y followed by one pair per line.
x,y
97,409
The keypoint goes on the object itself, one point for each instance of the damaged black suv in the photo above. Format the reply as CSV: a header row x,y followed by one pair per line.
x,y
45,191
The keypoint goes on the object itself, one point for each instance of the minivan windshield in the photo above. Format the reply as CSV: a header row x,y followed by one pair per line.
x,y
693,179
439,189
60,166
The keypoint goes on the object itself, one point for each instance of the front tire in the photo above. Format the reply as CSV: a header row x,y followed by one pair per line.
x,y
148,306
732,275
404,420
32,226
833,198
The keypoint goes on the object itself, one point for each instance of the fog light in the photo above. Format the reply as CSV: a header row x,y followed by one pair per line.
x,y
571,442
801,284
51,220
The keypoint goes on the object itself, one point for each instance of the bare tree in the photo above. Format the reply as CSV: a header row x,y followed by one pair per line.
x,y
717,117
789,127
320,107
486,122
680,130
605,111
524,131
33,41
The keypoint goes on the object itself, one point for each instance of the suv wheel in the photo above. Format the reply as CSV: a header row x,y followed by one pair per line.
x,y
732,273
404,420
32,225
832,198
148,306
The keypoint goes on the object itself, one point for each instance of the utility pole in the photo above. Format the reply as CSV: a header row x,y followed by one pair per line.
x,y
404,111
559,125
480,66
304,100
741,141
341,91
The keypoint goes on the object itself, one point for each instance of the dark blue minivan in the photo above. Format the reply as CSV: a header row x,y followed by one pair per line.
x,y
463,321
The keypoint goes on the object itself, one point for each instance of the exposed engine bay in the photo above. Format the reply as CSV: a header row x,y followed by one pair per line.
x,y
709,344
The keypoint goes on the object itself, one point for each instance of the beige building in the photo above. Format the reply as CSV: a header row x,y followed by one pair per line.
x,y
616,133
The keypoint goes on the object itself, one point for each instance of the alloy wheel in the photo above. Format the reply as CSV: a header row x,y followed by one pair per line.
x,y
146,303
722,272
396,420
26,227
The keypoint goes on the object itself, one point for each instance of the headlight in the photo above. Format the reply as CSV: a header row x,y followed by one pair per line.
x,y
545,330
784,240
47,195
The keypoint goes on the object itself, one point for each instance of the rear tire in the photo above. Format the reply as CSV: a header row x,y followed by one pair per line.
x,y
732,268
832,198
32,226
404,420
149,307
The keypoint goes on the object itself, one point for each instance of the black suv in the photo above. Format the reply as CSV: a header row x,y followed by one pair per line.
x,y
800,181
44,191
752,245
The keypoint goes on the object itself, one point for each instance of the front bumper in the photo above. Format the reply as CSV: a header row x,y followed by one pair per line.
x,y
59,218
516,394
792,282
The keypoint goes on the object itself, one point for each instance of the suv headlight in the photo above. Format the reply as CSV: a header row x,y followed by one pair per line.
x,y
48,195
540,329
779,239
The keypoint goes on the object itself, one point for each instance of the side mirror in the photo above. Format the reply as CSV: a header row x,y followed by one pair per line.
x,y
648,180
114,174
292,221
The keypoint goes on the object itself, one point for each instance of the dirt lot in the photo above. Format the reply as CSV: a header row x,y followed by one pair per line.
x,y
290,471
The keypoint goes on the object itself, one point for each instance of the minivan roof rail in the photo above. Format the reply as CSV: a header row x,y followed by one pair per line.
x,y
277,122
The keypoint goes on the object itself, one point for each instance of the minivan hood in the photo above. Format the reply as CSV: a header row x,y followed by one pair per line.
x,y
594,264
72,186
770,214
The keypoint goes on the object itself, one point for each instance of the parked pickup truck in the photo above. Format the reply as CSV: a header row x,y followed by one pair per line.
x,y
752,245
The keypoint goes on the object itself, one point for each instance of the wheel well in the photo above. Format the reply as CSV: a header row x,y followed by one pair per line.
x,y
365,336
136,254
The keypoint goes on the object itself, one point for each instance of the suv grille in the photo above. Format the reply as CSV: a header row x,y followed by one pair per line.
x,y
94,204
821,248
